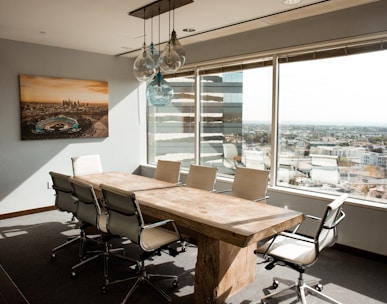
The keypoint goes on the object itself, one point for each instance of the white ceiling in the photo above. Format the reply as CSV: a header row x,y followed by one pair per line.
x,y
104,26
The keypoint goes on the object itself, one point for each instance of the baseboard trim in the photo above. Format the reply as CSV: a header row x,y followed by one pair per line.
x,y
361,252
26,212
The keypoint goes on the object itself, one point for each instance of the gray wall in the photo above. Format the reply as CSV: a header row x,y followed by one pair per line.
x,y
349,23
24,165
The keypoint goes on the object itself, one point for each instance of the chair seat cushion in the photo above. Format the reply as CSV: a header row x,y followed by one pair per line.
x,y
290,250
155,238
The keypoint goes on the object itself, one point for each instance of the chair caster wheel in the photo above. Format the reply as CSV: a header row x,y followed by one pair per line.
x,y
104,290
318,287
175,283
53,256
73,274
275,284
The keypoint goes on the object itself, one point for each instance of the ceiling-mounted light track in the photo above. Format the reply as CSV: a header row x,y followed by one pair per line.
x,y
157,8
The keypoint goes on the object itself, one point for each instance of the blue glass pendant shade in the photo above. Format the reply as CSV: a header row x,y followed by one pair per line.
x,y
159,92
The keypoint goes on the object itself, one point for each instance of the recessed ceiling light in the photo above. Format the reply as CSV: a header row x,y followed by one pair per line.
x,y
189,30
292,2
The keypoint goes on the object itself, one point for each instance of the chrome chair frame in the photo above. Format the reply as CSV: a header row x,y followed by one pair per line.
x,y
90,212
125,218
66,202
307,255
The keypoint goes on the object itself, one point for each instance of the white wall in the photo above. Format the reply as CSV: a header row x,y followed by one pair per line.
x,y
24,165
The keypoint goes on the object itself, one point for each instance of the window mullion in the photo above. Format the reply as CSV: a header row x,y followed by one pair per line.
x,y
197,116
274,122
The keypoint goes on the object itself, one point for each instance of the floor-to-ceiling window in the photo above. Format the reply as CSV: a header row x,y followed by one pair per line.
x,y
171,128
234,126
332,126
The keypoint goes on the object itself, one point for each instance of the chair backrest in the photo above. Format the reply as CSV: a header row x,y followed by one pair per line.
x,y
89,209
230,151
201,177
326,234
168,171
124,216
86,164
64,199
250,183
125,219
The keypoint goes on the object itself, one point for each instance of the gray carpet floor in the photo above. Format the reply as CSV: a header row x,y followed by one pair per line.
x,y
25,253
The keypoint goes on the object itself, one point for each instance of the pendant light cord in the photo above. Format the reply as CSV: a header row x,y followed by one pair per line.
x,y
144,29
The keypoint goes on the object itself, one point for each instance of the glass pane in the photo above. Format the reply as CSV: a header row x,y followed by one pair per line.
x,y
333,125
171,128
235,119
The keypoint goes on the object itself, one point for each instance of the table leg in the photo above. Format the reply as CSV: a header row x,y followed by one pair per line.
x,y
222,270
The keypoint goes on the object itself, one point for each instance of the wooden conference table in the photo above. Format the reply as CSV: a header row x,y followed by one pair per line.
x,y
227,228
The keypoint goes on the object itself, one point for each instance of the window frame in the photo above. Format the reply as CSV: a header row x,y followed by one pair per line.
x,y
306,52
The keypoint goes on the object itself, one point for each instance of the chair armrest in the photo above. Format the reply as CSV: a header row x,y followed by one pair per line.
x,y
157,224
162,223
307,216
312,217
341,217
261,199
298,237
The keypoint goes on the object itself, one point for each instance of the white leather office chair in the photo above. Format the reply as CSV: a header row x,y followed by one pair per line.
x,y
168,171
91,215
86,164
201,177
64,201
299,251
250,184
125,219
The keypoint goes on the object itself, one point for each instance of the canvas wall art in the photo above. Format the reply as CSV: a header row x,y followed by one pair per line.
x,y
53,108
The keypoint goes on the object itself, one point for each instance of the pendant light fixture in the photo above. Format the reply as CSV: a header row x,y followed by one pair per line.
x,y
152,63
169,60
152,51
158,91
175,43
144,66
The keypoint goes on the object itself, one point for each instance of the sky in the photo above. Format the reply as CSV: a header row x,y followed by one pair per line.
x,y
47,89
350,89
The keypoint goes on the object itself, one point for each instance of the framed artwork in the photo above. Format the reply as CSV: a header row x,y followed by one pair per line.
x,y
53,108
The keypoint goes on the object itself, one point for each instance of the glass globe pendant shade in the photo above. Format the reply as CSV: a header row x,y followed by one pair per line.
x,y
159,92
143,67
169,61
177,47
153,53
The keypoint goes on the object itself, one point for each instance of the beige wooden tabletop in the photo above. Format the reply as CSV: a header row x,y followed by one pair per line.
x,y
124,181
234,220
